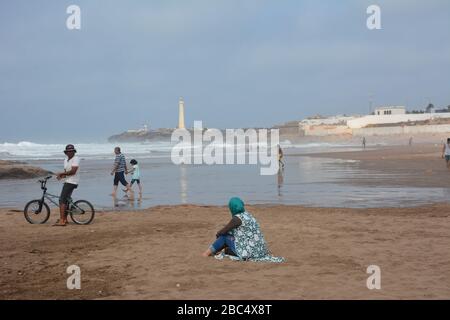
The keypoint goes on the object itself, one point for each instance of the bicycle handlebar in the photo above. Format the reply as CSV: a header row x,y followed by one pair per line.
x,y
44,181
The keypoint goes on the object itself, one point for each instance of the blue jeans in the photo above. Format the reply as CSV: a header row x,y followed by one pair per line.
x,y
222,242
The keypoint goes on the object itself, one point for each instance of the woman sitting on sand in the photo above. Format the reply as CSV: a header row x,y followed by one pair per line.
x,y
241,238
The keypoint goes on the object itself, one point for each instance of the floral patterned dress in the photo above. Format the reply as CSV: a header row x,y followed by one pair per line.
x,y
249,241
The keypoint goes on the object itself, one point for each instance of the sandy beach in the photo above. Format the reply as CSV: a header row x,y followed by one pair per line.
x,y
156,253
420,165
166,126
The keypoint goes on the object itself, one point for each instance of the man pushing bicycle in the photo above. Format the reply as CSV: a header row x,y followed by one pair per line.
x,y
71,176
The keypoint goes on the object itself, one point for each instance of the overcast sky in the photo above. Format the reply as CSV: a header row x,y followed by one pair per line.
x,y
237,63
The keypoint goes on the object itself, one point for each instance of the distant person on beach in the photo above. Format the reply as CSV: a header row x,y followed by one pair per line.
x,y
71,176
119,170
280,158
364,142
136,175
446,153
410,141
241,238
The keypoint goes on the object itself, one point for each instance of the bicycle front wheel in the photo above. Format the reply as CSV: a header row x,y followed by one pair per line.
x,y
82,212
36,212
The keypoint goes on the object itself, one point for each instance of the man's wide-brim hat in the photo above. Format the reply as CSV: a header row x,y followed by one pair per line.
x,y
69,148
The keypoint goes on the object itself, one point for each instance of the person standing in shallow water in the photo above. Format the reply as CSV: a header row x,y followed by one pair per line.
x,y
280,158
241,238
119,170
136,176
446,153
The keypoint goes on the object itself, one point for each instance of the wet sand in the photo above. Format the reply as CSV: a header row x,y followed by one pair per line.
x,y
156,253
420,165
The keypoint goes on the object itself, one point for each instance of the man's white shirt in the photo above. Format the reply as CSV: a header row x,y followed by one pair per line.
x,y
68,164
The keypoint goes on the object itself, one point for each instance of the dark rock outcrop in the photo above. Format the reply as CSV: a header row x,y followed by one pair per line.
x,y
20,170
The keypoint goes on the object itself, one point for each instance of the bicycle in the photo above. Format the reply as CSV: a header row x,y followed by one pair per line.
x,y
38,212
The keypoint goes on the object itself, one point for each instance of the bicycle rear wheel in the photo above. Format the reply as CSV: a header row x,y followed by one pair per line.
x,y
35,213
82,212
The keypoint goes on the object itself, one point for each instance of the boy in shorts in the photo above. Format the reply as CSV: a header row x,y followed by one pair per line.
x,y
136,175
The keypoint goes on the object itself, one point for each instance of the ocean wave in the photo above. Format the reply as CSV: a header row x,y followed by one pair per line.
x,y
30,150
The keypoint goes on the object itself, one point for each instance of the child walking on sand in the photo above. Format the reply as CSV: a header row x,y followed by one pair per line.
x,y
136,175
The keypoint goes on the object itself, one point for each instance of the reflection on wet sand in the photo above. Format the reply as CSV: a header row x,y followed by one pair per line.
x,y
136,202
280,181
128,202
183,184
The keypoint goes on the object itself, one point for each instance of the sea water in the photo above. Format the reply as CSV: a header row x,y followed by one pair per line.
x,y
305,180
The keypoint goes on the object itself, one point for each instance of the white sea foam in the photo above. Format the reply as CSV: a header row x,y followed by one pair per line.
x,y
29,150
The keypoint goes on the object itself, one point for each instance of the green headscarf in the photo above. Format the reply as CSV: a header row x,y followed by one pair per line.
x,y
236,206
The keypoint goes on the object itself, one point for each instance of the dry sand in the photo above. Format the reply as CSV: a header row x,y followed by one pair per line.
x,y
156,253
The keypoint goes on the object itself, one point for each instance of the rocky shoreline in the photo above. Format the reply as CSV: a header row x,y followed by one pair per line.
x,y
141,136
20,170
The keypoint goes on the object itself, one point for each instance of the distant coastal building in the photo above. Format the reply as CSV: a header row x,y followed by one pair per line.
x,y
144,129
291,128
336,125
385,111
391,120
181,113
334,120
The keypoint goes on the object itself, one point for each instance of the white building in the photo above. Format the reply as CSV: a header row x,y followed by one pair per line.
x,y
144,129
336,125
386,111
335,120
393,118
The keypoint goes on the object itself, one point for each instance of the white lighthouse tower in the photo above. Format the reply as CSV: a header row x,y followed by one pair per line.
x,y
181,113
